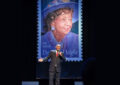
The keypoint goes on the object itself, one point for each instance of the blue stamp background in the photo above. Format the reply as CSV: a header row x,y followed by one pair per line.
x,y
76,28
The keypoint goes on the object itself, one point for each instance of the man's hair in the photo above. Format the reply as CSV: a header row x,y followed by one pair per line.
x,y
52,16
58,45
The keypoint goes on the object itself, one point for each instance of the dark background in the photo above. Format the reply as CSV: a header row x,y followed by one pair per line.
x,y
17,36
21,36
27,39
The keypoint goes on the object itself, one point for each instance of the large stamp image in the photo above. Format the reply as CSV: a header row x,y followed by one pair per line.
x,y
60,22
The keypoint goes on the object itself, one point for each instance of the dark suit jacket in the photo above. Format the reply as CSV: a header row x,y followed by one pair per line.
x,y
55,63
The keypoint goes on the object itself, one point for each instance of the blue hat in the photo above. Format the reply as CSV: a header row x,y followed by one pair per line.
x,y
56,4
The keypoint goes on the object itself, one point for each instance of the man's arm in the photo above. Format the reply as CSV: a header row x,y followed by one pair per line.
x,y
45,59
62,56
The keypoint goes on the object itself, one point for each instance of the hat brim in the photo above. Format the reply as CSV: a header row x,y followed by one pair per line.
x,y
62,5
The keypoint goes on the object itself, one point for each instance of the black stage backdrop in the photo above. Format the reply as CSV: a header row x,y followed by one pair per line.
x,y
27,42
23,67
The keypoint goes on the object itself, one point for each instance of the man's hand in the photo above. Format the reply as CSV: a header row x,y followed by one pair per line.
x,y
40,60
60,53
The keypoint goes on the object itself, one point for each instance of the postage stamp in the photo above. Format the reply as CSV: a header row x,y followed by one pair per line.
x,y
60,22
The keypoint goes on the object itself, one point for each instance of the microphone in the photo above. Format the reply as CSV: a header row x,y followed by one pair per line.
x,y
59,53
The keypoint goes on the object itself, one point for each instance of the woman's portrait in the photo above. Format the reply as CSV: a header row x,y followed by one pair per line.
x,y
60,23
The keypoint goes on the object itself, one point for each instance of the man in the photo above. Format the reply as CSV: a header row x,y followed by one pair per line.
x,y
55,67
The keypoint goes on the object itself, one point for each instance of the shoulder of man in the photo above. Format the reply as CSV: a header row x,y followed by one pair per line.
x,y
62,52
53,51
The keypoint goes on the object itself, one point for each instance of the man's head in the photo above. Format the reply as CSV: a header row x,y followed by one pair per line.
x,y
58,47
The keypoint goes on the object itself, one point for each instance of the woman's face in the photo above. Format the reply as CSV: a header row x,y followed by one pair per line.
x,y
63,23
